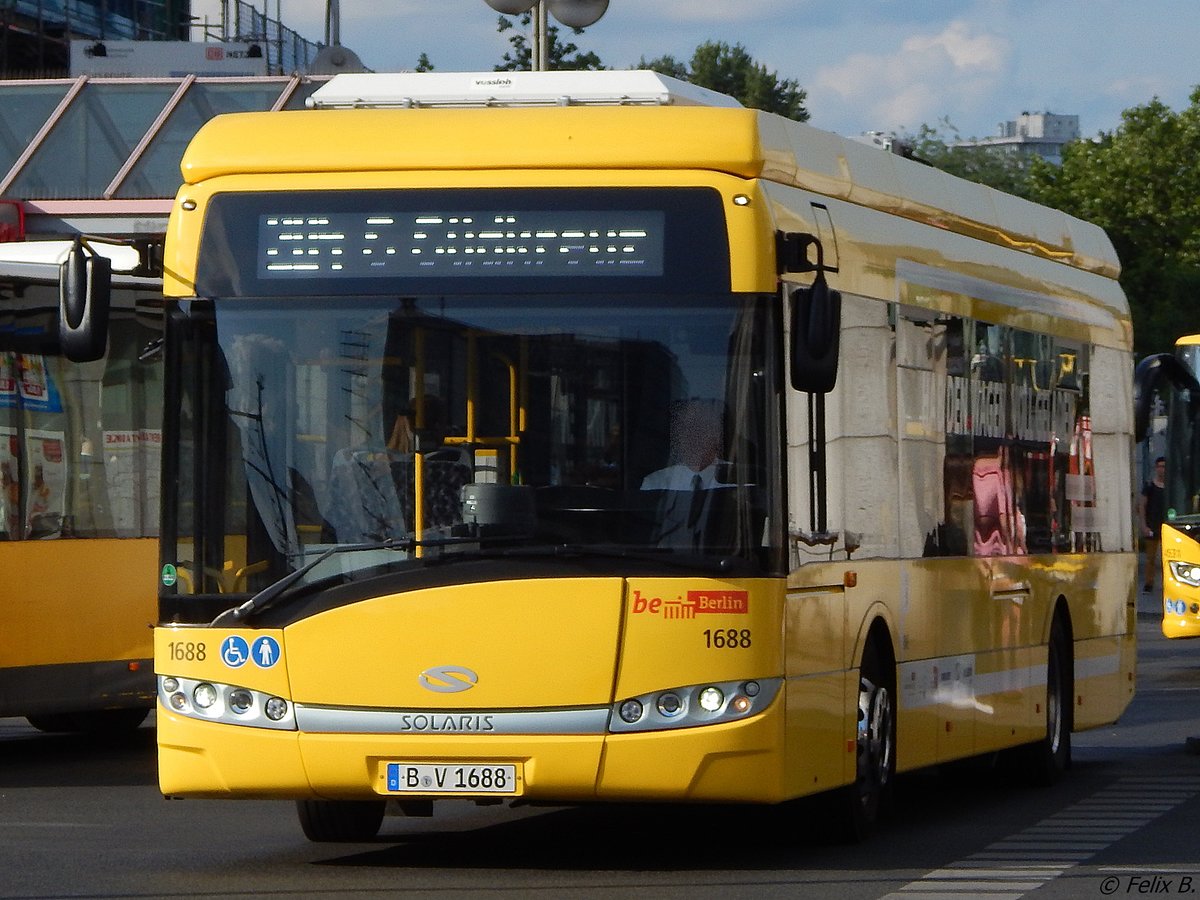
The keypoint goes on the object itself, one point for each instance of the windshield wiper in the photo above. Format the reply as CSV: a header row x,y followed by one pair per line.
x,y
272,592
666,556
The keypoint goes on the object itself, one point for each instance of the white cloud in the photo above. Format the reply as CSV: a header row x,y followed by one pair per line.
x,y
928,76
964,50
724,13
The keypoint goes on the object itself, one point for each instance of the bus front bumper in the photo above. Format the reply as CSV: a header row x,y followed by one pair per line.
x,y
729,762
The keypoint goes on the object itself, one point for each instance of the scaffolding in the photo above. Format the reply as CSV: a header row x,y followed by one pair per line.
x,y
286,51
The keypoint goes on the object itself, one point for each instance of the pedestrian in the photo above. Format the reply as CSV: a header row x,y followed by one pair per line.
x,y
1151,509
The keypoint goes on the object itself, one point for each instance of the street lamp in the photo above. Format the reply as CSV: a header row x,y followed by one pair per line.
x,y
572,13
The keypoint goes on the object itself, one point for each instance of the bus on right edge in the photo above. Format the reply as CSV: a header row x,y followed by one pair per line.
x,y
1176,376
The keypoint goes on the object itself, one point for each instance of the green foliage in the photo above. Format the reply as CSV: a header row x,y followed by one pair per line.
x,y
940,146
561,55
731,70
1141,183
423,64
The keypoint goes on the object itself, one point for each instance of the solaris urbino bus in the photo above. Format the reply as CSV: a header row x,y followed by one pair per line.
x,y
588,437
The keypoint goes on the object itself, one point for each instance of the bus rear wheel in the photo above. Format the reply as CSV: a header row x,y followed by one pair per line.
x,y
1050,757
340,821
1043,762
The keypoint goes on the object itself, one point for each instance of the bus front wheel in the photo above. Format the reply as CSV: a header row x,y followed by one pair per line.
x,y
859,804
340,821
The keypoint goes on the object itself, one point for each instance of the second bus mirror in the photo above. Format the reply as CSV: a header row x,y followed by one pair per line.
x,y
816,331
85,286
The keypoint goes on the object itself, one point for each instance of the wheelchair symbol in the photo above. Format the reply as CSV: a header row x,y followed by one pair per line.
x,y
235,652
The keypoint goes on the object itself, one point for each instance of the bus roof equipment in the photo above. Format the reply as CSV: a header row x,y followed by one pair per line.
x,y
474,89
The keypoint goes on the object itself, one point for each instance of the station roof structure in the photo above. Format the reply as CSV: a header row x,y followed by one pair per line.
x,y
101,155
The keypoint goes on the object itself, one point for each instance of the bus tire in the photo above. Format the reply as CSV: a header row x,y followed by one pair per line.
x,y
99,722
1044,761
1050,757
859,805
340,821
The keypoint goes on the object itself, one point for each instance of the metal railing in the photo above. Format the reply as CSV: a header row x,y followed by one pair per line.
x,y
286,51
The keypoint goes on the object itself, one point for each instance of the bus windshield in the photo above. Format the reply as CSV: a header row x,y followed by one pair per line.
x,y
641,421
1183,452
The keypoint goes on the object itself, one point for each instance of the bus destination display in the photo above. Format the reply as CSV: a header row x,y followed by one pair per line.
x,y
538,243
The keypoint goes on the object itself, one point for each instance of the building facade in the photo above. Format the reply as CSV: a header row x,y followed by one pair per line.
x,y
35,35
1041,134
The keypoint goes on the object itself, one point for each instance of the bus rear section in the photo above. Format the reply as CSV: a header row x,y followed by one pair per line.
x,y
79,490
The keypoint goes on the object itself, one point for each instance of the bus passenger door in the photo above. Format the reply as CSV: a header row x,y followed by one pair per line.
x,y
817,685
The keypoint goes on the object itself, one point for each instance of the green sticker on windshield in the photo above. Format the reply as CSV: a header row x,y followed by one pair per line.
x,y
169,575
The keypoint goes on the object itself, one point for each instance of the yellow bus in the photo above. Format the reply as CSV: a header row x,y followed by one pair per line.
x,y
557,437
80,446
1174,375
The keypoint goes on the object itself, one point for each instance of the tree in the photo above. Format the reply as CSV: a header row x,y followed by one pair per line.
x,y
940,146
423,64
731,70
561,56
1141,183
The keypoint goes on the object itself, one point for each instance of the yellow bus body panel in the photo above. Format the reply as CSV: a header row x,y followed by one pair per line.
x,y
735,762
590,642
1181,602
744,143
77,600
971,639
541,643
752,260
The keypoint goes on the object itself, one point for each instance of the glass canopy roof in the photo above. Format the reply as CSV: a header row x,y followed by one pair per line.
x,y
68,143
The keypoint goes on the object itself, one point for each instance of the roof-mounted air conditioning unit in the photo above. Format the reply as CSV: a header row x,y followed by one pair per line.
x,y
478,89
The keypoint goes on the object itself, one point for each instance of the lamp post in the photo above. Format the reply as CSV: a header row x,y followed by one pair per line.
x,y
572,13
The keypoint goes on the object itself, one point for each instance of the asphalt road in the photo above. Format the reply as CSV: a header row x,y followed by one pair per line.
x,y
82,819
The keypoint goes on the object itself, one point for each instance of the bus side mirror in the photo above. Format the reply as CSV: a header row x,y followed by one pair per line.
x,y
816,332
84,291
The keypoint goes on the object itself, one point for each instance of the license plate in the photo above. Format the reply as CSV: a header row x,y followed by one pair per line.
x,y
452,778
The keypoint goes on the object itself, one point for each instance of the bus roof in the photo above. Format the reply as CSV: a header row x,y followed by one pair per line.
x,y
596,123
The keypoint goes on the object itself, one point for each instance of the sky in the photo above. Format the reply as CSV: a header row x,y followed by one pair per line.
x,y
867,65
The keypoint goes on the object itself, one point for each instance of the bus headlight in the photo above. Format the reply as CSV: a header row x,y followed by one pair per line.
x,y
205,695
669,704
1186,573
693,705
630,711
276,709
711,699
226,703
